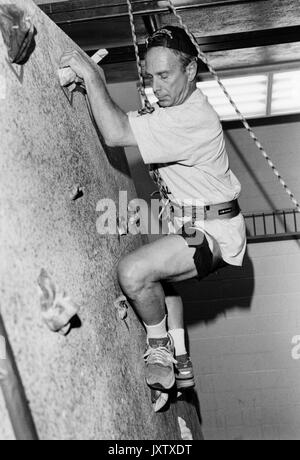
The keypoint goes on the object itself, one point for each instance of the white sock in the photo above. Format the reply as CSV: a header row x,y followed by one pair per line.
x,y
157,331
179,341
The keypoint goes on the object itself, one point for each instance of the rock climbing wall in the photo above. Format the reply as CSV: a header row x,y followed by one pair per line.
x,y
89,384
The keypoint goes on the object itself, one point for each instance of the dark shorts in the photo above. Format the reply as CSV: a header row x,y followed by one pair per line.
x,y
205,261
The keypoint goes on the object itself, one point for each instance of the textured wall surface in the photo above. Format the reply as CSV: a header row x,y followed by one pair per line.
x,y
89,385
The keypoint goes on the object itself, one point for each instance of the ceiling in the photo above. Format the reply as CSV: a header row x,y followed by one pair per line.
x,y
234,33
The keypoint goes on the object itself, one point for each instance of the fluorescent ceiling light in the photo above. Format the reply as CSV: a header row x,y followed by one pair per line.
x,y
260,95
249,94
286,92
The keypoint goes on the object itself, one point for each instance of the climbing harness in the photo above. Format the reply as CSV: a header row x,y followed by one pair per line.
x,y
204,59
226,210
147,108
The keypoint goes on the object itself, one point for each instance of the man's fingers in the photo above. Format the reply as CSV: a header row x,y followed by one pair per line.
x,y
81,64
66,76
67,57
65,60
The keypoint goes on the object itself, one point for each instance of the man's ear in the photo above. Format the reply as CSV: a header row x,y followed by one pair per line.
x,y
192,70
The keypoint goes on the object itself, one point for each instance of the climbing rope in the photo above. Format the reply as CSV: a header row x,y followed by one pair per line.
x,y
203,57
153,170
147,107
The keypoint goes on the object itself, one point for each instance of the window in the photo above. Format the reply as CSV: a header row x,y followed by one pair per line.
x,y
249,93
286,92
260,94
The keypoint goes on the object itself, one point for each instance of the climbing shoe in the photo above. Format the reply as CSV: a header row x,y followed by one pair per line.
x,y
184,373
159,359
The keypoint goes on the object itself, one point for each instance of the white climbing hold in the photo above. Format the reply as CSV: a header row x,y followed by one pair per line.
x,y
121,304
66,76
122,226
57,308
186,433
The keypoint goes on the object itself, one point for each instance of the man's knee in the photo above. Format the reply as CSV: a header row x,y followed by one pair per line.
x,y
133,274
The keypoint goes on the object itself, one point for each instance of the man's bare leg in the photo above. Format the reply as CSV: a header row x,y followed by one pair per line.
x,y
174,306
140,275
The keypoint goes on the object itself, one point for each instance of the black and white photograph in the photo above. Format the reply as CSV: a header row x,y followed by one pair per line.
x,y
149,223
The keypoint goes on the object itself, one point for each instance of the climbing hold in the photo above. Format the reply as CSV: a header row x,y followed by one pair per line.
x,y
69,80
18,33
58,309
76,193
186,433
121,304
66,76
158,399
130,224
133,214
122,226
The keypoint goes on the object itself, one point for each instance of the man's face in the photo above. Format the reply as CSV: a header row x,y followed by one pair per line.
x,y
170,82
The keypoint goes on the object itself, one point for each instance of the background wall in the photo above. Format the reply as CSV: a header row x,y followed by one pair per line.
x,y
244,323
261,190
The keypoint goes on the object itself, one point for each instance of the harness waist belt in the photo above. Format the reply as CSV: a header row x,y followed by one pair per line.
x,y
226,210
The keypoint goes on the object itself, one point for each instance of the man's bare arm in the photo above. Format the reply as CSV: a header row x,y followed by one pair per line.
x,y
111,120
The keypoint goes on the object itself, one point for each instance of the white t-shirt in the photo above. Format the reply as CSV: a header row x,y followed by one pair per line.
x,y
187,144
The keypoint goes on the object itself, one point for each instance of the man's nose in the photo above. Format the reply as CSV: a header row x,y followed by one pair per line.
x,y
155,85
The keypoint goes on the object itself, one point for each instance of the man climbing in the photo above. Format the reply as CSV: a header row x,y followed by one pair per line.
x,y
183,137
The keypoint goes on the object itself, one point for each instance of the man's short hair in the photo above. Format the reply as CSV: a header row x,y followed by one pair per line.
x,y
176,39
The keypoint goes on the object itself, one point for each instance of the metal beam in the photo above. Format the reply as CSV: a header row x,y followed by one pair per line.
x,y
250,39
220,42
90,10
